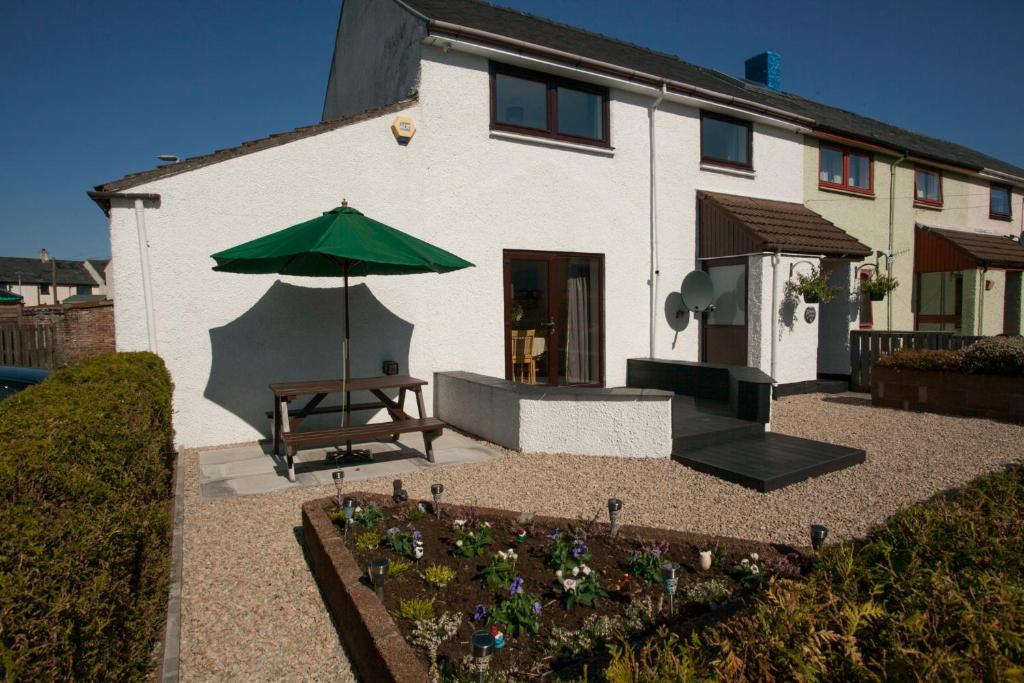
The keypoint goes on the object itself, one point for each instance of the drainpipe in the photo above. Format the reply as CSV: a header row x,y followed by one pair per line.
x,y
892,233
655,266
147,285
981,301
775,309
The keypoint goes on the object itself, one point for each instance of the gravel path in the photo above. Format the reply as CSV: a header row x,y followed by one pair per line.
x,y
251,610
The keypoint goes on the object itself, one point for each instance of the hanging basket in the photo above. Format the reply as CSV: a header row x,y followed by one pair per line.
x,y
877,296
812,299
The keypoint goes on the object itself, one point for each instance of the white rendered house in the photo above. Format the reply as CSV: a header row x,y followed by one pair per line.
x,y
574,185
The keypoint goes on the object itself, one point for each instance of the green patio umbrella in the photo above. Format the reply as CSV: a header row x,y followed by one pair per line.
x,y
341,242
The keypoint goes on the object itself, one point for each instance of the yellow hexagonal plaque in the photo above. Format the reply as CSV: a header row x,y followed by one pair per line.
x,y
404,128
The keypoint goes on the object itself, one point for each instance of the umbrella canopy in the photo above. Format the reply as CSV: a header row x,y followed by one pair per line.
x,y
340,242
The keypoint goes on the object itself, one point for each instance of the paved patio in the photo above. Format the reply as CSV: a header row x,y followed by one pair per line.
x,y
252,469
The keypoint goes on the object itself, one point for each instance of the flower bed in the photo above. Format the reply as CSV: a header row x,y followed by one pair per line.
x,y
555,592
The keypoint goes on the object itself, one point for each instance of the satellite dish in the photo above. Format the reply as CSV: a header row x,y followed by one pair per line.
x,y
697,291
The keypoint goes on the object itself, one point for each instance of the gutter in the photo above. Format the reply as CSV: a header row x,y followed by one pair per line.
x,y
655,265
103,198
446,29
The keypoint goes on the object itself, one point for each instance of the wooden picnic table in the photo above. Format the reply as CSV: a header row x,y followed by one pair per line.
x,y
287,419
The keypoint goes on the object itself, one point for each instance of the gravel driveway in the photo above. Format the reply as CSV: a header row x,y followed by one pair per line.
x,y
251,610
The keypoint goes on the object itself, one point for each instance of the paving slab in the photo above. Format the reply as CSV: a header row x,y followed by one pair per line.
x,y
251,469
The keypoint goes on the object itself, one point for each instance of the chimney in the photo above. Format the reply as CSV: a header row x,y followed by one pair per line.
x,y
763,69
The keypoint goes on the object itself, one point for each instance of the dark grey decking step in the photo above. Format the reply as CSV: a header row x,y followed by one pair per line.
x,y
698,423
770,461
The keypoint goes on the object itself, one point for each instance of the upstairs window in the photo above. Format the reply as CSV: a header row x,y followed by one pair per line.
x,y
999,203
726,141
44,289
540,104
845,169
927,187
83,289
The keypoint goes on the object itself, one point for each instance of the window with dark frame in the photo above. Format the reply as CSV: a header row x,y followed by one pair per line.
x,y
534,103
44,289
999,206
927,186
726,141
844,168
866,315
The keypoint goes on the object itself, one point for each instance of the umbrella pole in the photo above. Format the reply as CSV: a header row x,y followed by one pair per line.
x,y
347,370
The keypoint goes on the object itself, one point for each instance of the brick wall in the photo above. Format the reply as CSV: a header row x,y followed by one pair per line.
x,y
80,330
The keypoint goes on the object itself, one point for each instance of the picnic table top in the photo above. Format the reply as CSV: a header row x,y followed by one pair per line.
x,y
330,386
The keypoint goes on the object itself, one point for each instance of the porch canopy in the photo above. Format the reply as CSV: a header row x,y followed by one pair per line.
x,y
942,249
731,225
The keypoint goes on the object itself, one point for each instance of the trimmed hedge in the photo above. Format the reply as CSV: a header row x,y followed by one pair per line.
x,y
988,356
934,594
85,521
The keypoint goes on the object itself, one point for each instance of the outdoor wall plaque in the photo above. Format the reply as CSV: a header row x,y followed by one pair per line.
x,y
810,314
404,128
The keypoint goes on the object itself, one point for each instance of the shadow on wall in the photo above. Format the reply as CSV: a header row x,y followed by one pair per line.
x,y
294,333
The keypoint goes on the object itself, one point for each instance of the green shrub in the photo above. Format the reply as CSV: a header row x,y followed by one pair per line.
x,y
438,575
995,356
934,594
85,518
912,359
368,540
415,609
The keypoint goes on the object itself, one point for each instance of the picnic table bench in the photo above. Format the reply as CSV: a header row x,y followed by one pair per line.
x,y
286,419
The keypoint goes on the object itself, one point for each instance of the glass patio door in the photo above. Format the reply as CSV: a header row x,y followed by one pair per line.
x,y
725,327
553,318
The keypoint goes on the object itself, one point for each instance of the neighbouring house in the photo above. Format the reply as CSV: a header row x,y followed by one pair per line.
x,y
33,279
585,177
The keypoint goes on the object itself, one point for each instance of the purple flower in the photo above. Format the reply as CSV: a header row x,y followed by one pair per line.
x,y
553,534
578,549
393,530
478,613
416,535
536,607
516,587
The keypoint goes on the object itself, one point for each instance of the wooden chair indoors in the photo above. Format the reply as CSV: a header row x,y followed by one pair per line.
x,y
524,363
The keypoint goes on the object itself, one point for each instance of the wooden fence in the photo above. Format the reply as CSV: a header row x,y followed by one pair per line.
x,y
867,346
28,345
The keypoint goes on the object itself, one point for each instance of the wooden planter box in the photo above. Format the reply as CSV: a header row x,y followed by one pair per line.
x,y
951,393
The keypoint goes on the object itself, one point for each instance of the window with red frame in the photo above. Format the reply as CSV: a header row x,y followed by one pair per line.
x,y
999,203
845,169
866,319
927,187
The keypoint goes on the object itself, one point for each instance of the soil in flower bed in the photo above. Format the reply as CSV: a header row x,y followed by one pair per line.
x,y
567,638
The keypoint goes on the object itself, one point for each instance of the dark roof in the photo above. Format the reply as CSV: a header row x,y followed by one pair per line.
x,y
248,147
785,226
529,28
34,271
986,250
79,298
100,264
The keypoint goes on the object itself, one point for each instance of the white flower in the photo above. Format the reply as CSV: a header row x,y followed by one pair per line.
x,y
417,552
754,569
459,522
575,571
745,561
559,574
487,525
754,557
458,544
586,570
569,584
358,509
502,555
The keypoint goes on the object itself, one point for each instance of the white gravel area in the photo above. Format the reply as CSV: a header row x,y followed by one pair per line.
x,y
251,610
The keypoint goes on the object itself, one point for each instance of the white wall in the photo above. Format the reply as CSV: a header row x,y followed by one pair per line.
x,y
224,336
796,351
32,297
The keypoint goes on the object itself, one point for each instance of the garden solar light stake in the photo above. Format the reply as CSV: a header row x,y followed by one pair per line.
x,y
378,575
483,648
818,535
436,490
339,477
614,505
670,581
399,495
349,509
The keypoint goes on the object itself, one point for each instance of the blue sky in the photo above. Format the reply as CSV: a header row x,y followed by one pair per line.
x,y
94,90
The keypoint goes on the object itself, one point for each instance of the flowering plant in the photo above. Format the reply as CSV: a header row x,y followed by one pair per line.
x,y
519,613
750,570
471,540
500,570
405,542
369,516
646,562
565,556
580,586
